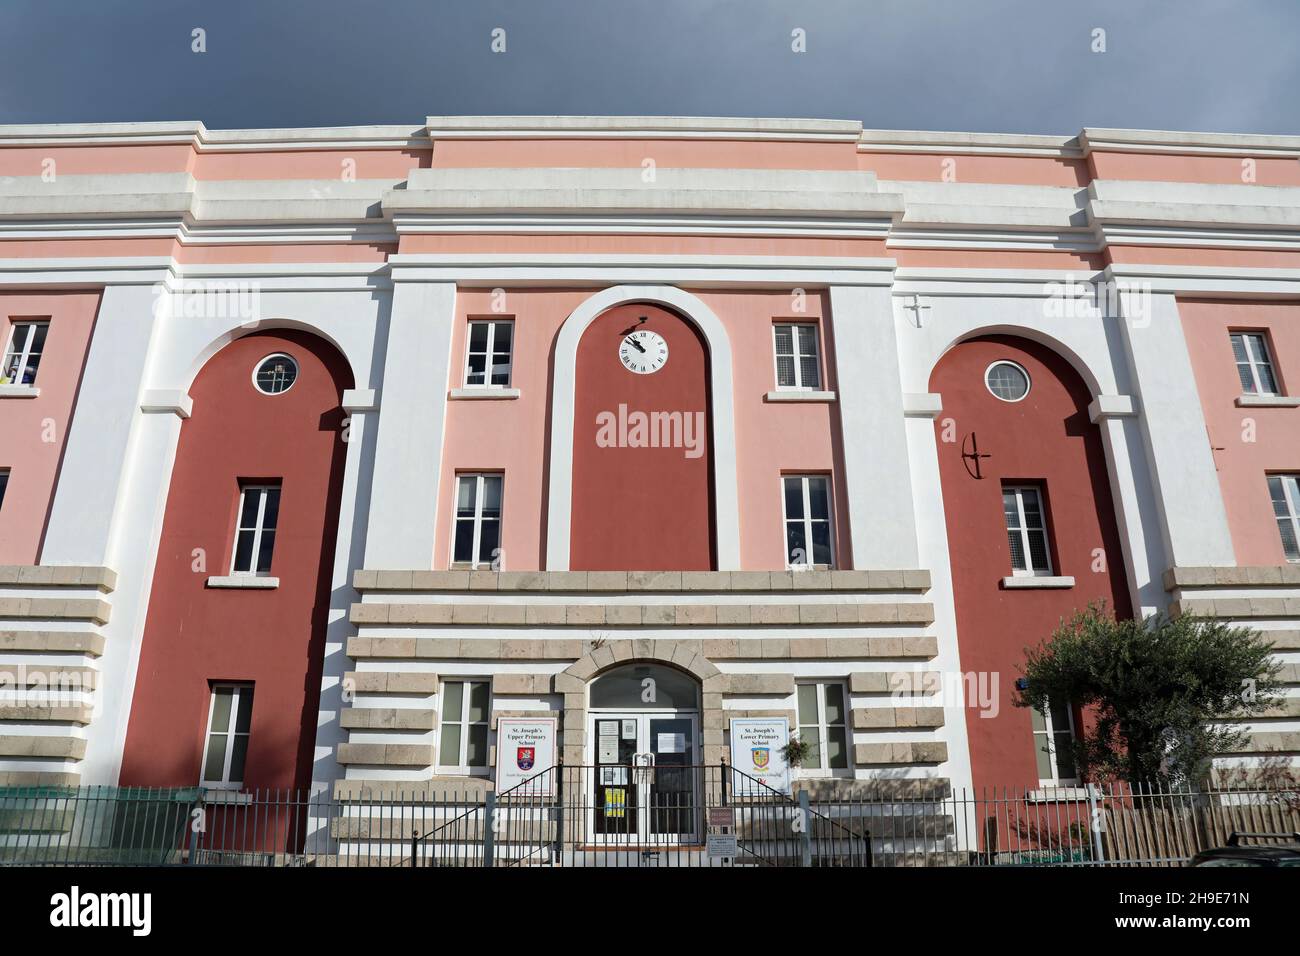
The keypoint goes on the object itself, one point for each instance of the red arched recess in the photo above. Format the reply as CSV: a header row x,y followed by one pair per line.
x,y
641,508
1046,439
273,638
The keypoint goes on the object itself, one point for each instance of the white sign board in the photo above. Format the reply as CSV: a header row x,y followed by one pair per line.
x,y
756,744
526,748
721,845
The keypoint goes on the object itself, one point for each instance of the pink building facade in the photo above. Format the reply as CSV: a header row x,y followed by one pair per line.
x,y
786,525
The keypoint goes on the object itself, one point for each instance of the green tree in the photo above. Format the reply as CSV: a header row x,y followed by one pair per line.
x,y
1158,691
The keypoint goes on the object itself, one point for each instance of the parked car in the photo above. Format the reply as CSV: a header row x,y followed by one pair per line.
x,y
1236,853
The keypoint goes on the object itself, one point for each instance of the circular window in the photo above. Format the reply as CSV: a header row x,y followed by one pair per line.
x,y
275,374
1007,381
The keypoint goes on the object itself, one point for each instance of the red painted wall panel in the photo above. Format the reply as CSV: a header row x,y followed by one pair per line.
x,y
274,638
641,508
1045,438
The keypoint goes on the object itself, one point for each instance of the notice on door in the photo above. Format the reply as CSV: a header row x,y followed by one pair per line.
x,y
756,757
671,744
526,748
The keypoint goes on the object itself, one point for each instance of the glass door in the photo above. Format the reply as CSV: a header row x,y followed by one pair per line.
x,y
644,790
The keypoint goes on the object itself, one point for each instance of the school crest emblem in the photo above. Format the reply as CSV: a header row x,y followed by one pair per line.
x,y
762,757
525,756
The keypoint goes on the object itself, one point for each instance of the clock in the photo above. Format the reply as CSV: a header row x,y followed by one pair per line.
x,y
643,352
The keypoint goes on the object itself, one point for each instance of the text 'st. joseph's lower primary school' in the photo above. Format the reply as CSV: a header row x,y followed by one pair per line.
x,y
583,465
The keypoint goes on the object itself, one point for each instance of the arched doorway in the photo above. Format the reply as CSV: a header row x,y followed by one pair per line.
x,y
642,495
643,739
1032,536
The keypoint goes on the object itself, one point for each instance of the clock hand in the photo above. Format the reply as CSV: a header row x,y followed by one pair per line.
x,y
636,345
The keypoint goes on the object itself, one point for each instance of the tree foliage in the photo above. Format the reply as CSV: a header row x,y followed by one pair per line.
x,y
1157,691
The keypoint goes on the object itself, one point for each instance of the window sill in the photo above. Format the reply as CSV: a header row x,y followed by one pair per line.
x,y
481,394
799,395
1017,582
19,391
226,796
251,582
1268,401
1063,793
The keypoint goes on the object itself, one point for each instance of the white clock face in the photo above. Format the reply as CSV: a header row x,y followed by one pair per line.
x,y
643,352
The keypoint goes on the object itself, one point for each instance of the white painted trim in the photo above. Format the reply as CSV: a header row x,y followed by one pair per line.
x,y
176,401
922,404
215,796
799,395
357,400
481,393
641,127
994,144
250,582
1267,401
1168,141
1028,581
19,391
1111,406
726,490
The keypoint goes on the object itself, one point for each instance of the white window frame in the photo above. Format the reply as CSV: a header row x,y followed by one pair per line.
x,y
1056,780
258,528
1019,491
808,519
1291,493
1029,382
815,355
257,368
491,342
1254,341
823,728
25,352
225,783
474,563
460,766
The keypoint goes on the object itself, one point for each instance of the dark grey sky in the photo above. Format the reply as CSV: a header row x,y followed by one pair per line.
x,y
1022,66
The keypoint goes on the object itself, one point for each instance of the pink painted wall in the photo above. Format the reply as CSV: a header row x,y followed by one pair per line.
x,y
513,436
1242,464
33,430
1166,167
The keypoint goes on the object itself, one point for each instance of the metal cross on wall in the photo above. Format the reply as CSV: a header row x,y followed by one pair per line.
x,y
971,459
916,307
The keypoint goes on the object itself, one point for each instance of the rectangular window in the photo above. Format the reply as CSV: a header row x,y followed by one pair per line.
x,y
230,715
465,711
477,536
23,353
1026,530
259,510
1285,492
1254,364
488,355
823,723
808,538
798,365
1054,744
4,483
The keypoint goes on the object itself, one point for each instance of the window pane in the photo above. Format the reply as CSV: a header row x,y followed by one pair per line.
x,y
216,765
807,703
244,718
785,371
465,494
793,498
271,514
1017,545
463,549
221,704
489,540
1037,721
1278,496
808,734
478,701
807,339
1247,380
818,500
1033,513
1267,383
449,749
248,514
244,551
1239,348
40,330
452,700
501,339
834,704
1065,756
476,374
837,752
492,496
1286,528
238,753
1010,511
1042,757
821,543
1038,551
784,340
478,336
796,547
264,550
810,372
476,747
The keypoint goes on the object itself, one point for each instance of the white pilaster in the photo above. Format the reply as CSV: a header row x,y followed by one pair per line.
x,y
408,447
877,474
1193,520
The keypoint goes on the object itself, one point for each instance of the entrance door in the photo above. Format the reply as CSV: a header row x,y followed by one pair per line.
x,y
644,786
